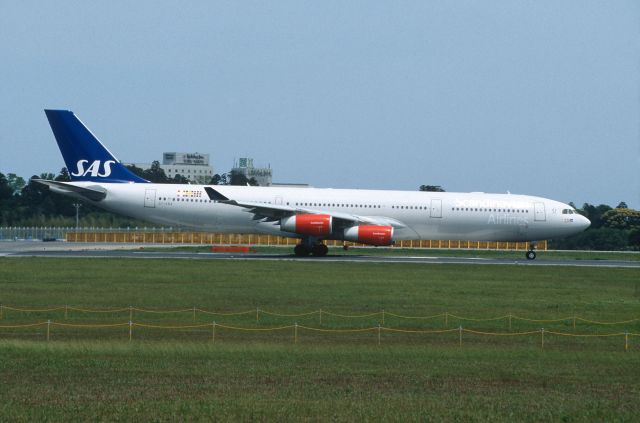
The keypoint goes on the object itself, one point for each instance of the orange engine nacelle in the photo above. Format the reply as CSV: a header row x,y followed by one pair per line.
x,y
370,234
308,224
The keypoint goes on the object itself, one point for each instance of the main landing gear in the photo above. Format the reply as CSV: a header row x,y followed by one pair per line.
x,y
531,253
317,249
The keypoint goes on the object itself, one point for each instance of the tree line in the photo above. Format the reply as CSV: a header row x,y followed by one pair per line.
x,y
156,174
611,229
27,203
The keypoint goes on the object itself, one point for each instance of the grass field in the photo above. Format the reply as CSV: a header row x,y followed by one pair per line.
x,y
180,375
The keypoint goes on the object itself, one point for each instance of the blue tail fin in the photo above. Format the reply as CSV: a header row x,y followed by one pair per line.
x,y
86,158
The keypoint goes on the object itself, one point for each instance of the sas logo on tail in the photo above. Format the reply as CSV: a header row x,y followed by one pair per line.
x,y
93,169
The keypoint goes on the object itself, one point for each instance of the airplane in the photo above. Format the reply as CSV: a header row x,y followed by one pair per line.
x,y
372,217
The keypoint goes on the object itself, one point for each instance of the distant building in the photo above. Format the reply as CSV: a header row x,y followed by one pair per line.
x,y
193,166
262,175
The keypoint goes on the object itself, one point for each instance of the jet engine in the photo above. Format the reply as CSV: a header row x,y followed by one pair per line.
x,y
308,224
370,234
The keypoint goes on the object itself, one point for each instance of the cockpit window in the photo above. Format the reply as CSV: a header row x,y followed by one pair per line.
x,y
568,211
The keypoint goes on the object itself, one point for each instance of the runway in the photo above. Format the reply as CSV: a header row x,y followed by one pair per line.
x,y
135,251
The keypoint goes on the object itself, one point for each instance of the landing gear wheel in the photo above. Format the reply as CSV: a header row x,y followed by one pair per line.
x,y
531,255
301,250
319,250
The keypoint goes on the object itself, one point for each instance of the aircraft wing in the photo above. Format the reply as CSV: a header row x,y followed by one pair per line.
x,y
275,212
91,192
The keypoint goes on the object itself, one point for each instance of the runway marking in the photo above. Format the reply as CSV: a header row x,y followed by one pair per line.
x,y
154,255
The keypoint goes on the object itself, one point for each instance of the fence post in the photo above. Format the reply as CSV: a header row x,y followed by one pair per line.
x,y
295,333
213,332
320,317
130,314
626,341
460,335
66,312
379,333
574,322
383,316
194,313
542,338
0,311
48,329
130,330
509,322
446,319
257,314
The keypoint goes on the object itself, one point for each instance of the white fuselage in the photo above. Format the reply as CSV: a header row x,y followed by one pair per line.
x,y
420,215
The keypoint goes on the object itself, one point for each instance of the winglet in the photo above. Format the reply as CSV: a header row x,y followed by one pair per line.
x,y
215,195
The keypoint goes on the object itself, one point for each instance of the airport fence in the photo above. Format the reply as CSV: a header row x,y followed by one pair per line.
x,y
197,323
59,233
444,319
168,235
36,233
295,331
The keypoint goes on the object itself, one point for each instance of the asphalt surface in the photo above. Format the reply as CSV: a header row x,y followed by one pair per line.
x,y
134,251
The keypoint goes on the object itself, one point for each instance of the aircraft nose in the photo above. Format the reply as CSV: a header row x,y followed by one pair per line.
x,y
583,222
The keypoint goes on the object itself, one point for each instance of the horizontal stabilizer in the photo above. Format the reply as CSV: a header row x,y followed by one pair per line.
x,y
92,192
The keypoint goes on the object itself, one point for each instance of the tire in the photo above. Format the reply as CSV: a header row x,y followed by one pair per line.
x,y
531,255
301,250
320,250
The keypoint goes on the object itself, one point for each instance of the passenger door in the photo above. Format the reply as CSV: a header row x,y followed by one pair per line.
x,y
150,198
539,214
436,208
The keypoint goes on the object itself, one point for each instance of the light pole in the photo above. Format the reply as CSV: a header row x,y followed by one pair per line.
x,y
77,206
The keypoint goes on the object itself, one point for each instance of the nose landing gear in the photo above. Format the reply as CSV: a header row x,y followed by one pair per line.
x,y
531,253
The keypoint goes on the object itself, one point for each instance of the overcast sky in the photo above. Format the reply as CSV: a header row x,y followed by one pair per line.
x,y
531,97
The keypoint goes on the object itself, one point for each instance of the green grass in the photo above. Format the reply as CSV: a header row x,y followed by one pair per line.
x,y
84,374
291,287
98,381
